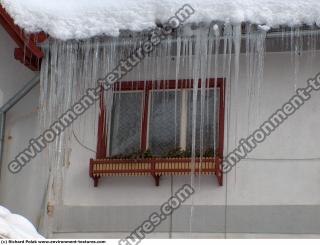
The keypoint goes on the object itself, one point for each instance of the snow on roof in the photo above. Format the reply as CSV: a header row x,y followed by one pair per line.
x,y
83,19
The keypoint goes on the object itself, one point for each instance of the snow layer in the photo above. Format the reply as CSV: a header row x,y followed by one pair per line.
x,y
14,226
83,19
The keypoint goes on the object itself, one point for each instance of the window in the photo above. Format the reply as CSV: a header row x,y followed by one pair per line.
x,y
158,116
209,120
125,123
164,121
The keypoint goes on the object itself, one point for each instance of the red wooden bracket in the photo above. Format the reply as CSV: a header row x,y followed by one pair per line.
x,y
28,53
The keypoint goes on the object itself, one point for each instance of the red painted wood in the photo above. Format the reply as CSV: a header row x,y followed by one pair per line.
x,y
144,125
91,168
102,140
151,162
167,84
219,173
155,160
155,171
28,52
18,35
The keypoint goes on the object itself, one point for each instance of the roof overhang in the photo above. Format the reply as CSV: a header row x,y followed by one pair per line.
x,y
27,52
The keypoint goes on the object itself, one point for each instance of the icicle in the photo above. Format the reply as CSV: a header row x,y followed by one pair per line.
x,y
236,43
195,75
260,69
201,52
215,109
178,59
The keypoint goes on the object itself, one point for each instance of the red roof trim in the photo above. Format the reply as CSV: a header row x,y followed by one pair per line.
x,y
28,52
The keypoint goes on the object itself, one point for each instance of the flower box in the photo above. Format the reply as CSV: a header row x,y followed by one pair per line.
x,y
155,167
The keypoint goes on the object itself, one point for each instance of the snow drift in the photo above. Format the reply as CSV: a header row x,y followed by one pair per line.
x,y
14,226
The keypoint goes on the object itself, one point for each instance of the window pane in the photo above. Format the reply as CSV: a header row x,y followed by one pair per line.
x,y
164,126
210,121
126,123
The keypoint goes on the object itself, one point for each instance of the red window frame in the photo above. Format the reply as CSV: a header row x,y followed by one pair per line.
x,y
148,86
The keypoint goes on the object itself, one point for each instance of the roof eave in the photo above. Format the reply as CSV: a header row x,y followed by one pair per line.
x,y
28,53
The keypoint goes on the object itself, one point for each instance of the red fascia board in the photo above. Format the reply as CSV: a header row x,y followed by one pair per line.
x,y
19,37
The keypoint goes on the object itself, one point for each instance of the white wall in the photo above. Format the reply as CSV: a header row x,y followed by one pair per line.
x,y
21,193
13,75
277,162
283,171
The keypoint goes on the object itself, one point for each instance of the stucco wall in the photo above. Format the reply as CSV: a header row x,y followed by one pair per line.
x,y
21,193
267,193
13,75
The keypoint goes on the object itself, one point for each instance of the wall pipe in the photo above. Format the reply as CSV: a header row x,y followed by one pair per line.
x,y
9,104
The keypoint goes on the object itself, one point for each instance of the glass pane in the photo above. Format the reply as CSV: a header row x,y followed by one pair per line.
x,y
210,117
164,129
126,123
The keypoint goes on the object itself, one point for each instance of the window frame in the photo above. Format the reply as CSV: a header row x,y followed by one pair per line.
x,y
146,87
